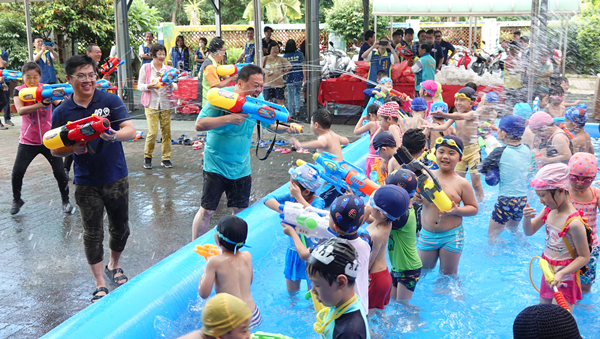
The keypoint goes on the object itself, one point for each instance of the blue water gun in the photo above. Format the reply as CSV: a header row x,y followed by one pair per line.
x,y
38,94
342,178
103,85
169,77
12,75
257,109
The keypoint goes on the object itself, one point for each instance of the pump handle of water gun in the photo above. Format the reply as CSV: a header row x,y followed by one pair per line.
x,y
549,275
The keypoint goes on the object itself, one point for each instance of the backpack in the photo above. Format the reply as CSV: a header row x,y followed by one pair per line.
x,y
588,235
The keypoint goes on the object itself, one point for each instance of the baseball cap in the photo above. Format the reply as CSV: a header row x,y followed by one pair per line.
x,y
232,232
523,110
513,125
223,313
307,176
492,97
383,139
391,200
335,256
347,212
418,104
403,178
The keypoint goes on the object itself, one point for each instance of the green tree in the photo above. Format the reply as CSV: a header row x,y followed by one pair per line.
x,y
345,18
193,10
276,11
141,18
13,36
168,8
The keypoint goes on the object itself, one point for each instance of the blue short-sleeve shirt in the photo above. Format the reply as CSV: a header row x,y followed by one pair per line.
x,y
109,164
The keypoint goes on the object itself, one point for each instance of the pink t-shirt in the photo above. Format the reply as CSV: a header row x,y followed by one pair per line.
x,y
34,125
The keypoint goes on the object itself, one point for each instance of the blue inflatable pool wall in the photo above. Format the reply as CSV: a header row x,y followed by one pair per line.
x,y
130,311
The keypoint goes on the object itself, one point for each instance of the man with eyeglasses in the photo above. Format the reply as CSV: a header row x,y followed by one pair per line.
x,y
446,46
100,170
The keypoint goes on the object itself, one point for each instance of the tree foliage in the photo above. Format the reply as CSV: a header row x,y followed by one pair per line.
x,y
13,36
345,18
276,11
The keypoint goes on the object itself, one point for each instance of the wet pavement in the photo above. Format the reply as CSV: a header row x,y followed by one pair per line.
x,y
44,275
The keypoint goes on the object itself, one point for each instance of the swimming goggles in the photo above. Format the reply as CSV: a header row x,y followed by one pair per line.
x,y
323,315
450,142
586,181
557,97
462,96
237,244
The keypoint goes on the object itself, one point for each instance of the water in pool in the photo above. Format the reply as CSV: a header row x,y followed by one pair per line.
x,y
482,301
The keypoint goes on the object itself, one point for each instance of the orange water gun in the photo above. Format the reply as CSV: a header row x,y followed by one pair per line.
x,y
377,168
207,250
549,274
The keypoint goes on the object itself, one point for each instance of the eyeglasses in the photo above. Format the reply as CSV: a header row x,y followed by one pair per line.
x,y
449,142
585,181
438,36
462,96
83,77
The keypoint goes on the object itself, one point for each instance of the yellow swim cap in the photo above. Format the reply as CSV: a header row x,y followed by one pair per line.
x,y
223,313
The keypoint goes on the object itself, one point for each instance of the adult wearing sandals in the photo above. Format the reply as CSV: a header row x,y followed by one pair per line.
x,y
100,174
158,103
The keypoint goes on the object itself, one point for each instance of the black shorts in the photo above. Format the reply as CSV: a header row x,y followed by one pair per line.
x,y
273,93
237,191
408,278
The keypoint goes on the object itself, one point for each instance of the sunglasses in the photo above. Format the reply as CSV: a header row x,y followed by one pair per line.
x,y
449,142
462,96
585,181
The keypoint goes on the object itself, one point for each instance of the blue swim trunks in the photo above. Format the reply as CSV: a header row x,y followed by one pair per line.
x,y
452,240
295,267
509,208
590,276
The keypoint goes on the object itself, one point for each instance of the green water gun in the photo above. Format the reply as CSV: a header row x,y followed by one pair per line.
x,y
263,335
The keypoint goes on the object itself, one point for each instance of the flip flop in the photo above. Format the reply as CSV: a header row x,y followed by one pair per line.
x,y
187,142
197,147
281,142
302,150
286,151
173,142
262,144
278,149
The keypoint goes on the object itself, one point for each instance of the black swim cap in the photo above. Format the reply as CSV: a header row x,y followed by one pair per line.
x,y
335,256
414,140
232,232
547,321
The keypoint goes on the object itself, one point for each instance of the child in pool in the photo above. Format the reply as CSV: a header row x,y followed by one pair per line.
x,y
438,106
333,267
231,271
346,216
402,243
564,84
467,123
418,108
387,116
385,146
583,168
541,96
379,93
555,145
304,184
370,126
566,248
575,119
328,140
487,114
428,91
442,235
511,164
555,108
223,316
388,203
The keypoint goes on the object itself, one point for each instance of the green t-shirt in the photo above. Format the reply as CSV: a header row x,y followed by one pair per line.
x,y
402,246
227,147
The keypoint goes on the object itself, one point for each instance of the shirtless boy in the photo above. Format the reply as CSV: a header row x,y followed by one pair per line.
x,y
328,140
575,119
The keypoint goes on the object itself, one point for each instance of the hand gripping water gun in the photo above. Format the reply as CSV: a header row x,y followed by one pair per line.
x,y
103,85
85,129
263,335
549,275
310,221
168,78
428,187
228,70
110,66
207,250
342,178
12,75
256,109
38,94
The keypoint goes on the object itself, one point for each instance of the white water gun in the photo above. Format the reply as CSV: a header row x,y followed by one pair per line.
x,y
310,221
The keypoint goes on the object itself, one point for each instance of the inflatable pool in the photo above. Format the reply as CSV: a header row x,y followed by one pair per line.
x,y
491,288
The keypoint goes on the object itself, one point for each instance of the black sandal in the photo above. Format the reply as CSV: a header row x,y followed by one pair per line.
x,y
97,297
111,275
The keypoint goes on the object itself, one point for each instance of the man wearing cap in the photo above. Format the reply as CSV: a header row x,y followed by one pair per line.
x,y
381,56
509,166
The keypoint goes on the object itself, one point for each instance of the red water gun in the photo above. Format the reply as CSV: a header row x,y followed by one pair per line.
x,y
549,275
110,66
82,130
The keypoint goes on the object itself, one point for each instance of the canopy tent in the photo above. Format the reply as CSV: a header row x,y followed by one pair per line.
x,y
456,8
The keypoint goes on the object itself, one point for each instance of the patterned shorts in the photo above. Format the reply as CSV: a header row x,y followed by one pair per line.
x,y
509,208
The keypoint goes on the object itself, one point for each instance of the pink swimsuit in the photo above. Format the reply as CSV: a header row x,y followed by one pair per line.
x,y
371,156
589,209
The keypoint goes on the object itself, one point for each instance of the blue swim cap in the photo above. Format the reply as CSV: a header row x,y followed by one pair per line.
x,y
523,110
492,97
418,104
384,80
439,106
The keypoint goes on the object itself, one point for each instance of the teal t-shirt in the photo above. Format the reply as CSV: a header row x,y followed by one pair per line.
x,y
427,71
227,147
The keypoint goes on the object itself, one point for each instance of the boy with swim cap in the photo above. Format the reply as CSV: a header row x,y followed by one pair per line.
x,y
402,243
223,316
418,108
438,106
443,235
388,203
346,215
231,271
509,166
575,119
333,268
385,146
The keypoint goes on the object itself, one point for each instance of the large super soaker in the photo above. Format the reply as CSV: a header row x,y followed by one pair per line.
x,y
82,130
428,187
169,77
257,109
110,66
309,221
12,75
38,94
228,70
350,178
549,275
